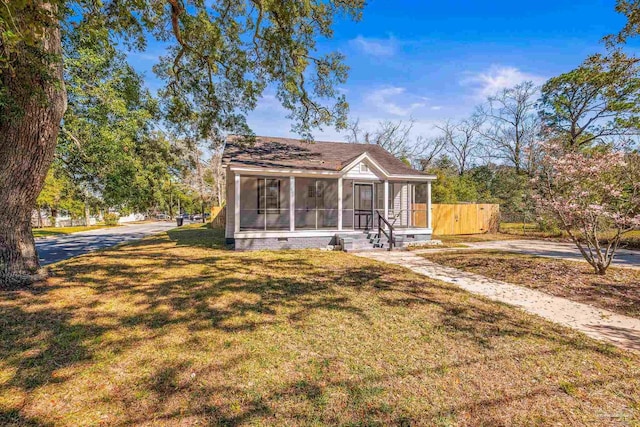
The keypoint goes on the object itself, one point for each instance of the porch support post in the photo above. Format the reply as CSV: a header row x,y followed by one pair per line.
x,y
236,204
386,200
339,203
428,204
292,203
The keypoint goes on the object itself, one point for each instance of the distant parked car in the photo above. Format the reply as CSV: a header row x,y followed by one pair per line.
x,y
163,217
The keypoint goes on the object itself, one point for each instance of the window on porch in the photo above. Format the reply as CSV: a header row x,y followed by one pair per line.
x,y
316,204
264,203
408,205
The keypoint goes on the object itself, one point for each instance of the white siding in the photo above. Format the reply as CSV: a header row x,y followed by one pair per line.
x,y
230,220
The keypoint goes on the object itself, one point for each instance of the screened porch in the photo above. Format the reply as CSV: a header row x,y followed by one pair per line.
x,y
288,203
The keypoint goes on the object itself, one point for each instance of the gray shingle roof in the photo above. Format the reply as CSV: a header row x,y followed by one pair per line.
x,y
281,153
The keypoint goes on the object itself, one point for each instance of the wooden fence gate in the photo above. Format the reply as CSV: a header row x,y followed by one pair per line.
x,y
450,219
218,216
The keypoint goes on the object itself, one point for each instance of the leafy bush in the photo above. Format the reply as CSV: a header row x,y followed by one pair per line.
x,y
110,219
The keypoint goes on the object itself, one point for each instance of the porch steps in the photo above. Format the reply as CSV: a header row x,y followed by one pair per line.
x,y
366,241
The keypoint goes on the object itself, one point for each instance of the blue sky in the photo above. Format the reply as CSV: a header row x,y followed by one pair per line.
x,y
436,60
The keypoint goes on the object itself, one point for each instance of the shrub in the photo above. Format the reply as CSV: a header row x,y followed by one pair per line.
x,y
110,219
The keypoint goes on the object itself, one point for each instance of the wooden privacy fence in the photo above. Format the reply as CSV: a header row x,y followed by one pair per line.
x,y
218,215
450,219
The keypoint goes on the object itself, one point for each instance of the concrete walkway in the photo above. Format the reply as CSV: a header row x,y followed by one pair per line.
x,y
622,331
552,249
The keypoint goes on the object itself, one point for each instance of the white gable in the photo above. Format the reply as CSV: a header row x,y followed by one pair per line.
x,y
364,168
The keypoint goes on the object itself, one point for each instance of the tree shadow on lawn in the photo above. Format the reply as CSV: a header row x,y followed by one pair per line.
x,y
13,417
214,237
155,291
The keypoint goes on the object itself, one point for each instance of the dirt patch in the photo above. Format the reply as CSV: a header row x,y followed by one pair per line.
x,y
618,291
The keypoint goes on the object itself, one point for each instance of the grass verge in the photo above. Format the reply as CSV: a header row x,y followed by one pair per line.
x,y
461,239
618,291
630,240
58,231
176,330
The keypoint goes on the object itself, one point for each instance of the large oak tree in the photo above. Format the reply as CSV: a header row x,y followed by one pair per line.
x,y
222,55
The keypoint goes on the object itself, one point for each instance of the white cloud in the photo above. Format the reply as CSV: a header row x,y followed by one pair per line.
x,y
436,107
375,47
383,99
496,78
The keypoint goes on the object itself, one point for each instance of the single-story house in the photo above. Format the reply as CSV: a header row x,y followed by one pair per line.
x,y
285,193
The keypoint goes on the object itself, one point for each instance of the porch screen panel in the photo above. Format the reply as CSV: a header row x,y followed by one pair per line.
x,y
327,203
264,203
305,214
276,203
347,204
249,217
316,204
419,206
378,204
399,204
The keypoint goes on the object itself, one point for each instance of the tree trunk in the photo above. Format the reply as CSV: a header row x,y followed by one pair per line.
x,y
601,270
87,214
28,134
39,217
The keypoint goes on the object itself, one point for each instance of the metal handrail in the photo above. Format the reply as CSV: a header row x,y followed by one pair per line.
x,y
381,230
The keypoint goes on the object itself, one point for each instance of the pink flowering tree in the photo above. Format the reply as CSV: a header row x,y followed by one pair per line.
x,y
594,196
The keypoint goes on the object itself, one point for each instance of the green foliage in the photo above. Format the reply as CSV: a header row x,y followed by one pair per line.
x,y
227,53
73,205
110,219
221,57
631,10
450,187
107,146
484,184
598,102
52,191
513,192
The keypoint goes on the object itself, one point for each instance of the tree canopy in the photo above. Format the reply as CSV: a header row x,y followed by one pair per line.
x,y
597,102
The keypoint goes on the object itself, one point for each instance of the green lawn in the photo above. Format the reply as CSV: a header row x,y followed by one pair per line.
x,y
176,330
57,231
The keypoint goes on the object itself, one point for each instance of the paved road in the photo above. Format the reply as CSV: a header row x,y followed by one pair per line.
x,y
623,258
54,249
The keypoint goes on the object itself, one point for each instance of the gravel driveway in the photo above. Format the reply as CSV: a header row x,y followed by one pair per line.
x,y
54,249
569,251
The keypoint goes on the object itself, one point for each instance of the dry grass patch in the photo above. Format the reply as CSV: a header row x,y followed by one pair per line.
x,y
175,330
444,245
58,231
618,291
630,240
469,238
